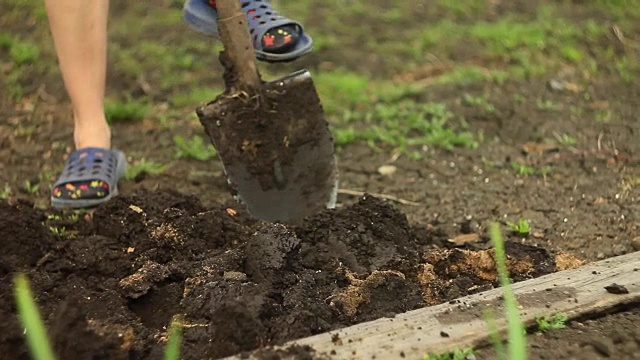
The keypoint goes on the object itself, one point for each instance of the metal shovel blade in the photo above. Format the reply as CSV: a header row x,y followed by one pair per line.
x,y
276,148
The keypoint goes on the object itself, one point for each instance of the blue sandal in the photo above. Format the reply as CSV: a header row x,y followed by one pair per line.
x,y
89,178
275,37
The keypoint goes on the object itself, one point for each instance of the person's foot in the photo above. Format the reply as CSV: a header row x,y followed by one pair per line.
x,y
275,37
89,178
91,172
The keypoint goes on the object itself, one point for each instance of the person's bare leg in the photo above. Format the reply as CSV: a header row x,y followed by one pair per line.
x,y
79,29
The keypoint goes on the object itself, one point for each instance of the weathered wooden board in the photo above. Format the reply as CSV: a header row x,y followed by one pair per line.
x,y
411,335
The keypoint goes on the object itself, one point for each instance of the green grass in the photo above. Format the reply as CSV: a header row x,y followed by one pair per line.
x,y
194,148
524,169
516,332
30,319
457,354
6,192
144,167
21,51
520,227
480,102
125,111
547,105
551,322
516,335
58,232
566,139
406,126
31,188
194,97
172,350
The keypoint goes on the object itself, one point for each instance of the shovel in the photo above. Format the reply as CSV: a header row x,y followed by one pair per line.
x,y
272,137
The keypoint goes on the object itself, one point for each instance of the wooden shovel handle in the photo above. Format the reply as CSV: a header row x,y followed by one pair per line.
x,y
234,34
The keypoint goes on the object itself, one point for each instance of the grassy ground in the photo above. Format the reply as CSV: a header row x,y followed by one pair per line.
x,y
478,109
378,72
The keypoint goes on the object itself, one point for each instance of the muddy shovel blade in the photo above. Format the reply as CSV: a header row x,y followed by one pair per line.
x,y
276,148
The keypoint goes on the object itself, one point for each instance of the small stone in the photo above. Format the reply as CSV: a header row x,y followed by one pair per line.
x,y
386,170
600,256
616,289
235,276
555,85
619,250
635,243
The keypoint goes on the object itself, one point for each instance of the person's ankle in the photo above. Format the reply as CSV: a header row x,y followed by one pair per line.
x,y
92,134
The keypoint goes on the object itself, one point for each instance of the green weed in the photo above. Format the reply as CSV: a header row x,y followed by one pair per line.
x,y
24,52
6,40
405,125
604,116
515,328
12,80
547,105
54,217
30,187
464,75
6,192
144,167
481,102
172,350
59,232
194,97
125,111
523,169
457,354
341,90
30,319
551,322
194,148
627,69
566,139
21,51
520,227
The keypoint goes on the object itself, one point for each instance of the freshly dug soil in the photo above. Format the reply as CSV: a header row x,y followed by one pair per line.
x,y
110,286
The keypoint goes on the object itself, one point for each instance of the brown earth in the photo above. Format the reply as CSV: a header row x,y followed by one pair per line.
x,y
240,284
175,243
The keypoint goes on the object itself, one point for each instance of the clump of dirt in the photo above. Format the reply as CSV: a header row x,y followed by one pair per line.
x,y
111,287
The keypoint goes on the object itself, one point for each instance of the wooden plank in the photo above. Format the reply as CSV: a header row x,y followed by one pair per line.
x,y
440,328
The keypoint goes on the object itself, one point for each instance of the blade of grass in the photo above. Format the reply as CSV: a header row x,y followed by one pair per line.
x,y
172,351
516,334
494,334
37,339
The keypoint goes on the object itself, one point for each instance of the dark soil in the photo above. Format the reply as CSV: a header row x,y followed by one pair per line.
x,y
239,284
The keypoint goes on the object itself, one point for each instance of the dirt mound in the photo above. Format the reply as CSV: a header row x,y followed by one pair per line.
x,y
111,284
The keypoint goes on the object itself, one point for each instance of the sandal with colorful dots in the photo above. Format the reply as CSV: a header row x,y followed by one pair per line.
x,y
275,37
89,178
